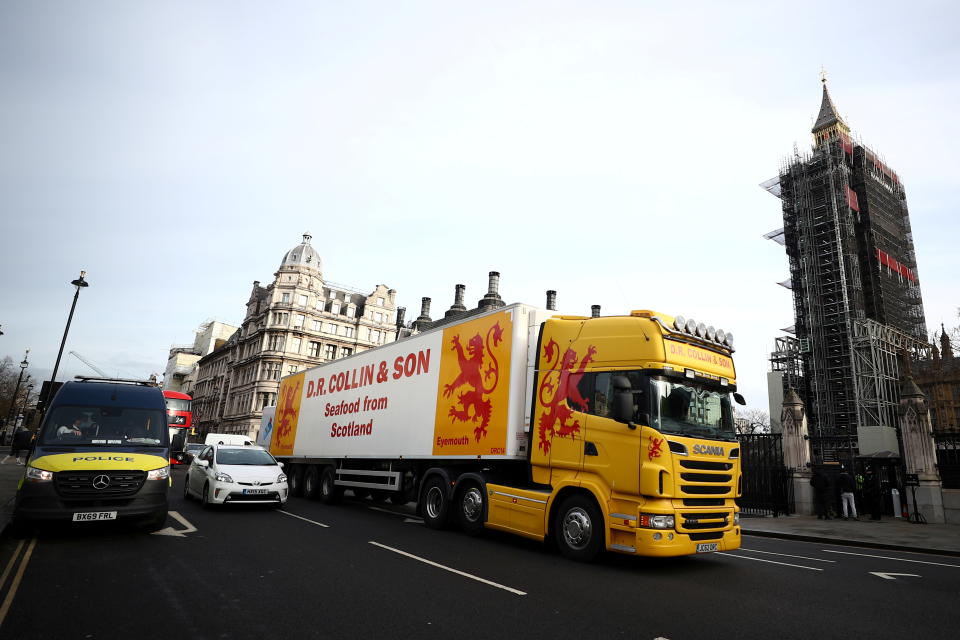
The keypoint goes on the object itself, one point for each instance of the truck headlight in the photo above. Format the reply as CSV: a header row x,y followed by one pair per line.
x,y
281,478
159,474
222,477
655,521
736,518
39,475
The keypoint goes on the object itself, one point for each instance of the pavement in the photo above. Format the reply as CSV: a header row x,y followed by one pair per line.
x,y
887,533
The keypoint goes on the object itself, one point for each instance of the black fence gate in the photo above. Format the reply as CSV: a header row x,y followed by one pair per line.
x,y
767,490
948,459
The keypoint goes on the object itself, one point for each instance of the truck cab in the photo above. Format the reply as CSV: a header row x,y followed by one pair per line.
x,y
101,453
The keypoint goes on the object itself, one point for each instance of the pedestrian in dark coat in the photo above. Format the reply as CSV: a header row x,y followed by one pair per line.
x,y
821,494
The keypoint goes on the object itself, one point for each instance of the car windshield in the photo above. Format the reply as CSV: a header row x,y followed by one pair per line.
x,y
691,410
105,426
245,456
193,448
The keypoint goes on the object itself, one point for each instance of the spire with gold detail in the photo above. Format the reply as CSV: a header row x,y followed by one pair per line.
x,y
829,124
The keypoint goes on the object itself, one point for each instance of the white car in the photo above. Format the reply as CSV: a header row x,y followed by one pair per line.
x,y
231,474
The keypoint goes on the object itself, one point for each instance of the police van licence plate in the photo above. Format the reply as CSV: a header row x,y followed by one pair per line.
x,y
707,546
254,491
89,516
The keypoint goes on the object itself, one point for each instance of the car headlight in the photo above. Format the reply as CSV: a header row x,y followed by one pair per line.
x,y
39,475
222,477
281,478
159,474
655,521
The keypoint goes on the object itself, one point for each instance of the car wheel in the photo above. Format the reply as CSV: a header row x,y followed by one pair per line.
x,y
205,498
578,528
311,482
471,507
186,487
434,503
330,493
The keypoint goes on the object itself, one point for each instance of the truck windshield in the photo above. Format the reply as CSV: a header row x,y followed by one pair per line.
x,y
105,426
690,410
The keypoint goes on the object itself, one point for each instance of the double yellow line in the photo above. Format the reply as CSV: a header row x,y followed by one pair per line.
x,y
18,576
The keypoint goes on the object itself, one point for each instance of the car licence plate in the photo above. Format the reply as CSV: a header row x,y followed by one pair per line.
x,y
254,491
707,546
89,516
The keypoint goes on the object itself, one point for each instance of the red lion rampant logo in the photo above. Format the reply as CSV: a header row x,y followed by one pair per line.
x,y
655,449
286,412
558,390
473,405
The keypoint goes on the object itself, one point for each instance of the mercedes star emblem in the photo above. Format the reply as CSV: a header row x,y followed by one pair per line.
x,y
101,482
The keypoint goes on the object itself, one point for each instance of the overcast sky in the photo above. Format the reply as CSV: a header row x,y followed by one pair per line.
x,y
609,150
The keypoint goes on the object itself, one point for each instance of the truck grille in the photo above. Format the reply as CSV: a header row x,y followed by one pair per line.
x,y
695,520
99,484
706,478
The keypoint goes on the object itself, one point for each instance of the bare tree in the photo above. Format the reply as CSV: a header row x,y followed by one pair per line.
x,y
749,421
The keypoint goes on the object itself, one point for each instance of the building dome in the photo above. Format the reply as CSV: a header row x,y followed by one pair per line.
x,y
302,255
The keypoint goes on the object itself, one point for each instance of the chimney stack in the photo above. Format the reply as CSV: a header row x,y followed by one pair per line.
x,y
457,306
551,300
492,300
595,311
401,312
424,310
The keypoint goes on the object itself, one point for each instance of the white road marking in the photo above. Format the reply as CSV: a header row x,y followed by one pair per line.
x,y
798,566
889,576
177,533
785,555
292,515
450,569
867,555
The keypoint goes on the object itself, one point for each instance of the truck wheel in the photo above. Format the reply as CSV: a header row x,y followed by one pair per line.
x,y
311,481
470,509
295,480
578,528
436,505
330,493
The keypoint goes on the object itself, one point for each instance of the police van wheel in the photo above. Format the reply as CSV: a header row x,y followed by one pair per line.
x,y
435,504
330,493
578,528
156,522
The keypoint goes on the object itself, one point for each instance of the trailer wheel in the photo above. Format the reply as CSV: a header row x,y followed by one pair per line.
x,y
436,505
471,505
295,480
330,493
311,482
579,528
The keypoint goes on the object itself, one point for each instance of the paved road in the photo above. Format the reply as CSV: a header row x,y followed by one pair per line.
x,y
356,570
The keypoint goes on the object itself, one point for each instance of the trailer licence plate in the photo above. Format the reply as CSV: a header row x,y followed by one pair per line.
x,y
90,516
254,491
707,546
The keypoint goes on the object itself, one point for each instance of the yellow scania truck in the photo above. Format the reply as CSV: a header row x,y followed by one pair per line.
x,y
599,433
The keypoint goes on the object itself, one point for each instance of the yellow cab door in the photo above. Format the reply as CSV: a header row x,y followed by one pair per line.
x,y
612,450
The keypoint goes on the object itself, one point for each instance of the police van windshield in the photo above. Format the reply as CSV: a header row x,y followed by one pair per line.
x,y
105,426
690,410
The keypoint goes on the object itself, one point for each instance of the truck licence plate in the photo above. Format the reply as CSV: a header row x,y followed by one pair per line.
x,y
707,546
89,516
254,491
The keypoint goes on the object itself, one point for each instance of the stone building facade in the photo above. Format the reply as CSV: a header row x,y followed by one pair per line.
x,y
296,322
939,379
181,372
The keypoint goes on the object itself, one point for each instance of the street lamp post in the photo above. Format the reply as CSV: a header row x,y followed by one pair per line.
x,y
79,283
16,389
26,399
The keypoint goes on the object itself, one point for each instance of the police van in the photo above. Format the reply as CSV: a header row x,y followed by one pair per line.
x,y
102,453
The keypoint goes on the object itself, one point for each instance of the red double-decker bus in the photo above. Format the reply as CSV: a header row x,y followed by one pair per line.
x,y
179,420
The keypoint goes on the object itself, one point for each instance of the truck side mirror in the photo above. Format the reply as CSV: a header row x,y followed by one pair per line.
x,y
739,399
622,404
